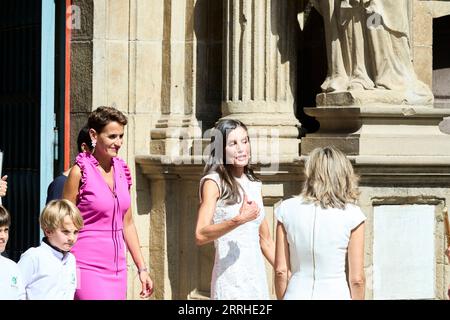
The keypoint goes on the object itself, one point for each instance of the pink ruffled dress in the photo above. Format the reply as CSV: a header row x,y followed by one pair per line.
x,y
100,250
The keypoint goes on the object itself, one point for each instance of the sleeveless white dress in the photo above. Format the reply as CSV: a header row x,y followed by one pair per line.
x,y
239,270
318,240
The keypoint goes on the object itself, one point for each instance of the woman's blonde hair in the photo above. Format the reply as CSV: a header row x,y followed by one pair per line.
x,y
52,217
330,179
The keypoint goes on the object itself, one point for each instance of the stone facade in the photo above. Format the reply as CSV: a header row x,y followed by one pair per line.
x,y
175,67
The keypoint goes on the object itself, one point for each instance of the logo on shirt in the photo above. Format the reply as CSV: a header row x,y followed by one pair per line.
x,y
13,281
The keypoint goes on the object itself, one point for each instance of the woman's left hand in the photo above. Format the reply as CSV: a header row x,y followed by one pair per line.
x,y
147,284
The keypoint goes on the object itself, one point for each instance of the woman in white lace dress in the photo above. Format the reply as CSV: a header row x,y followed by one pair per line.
x,y
317,230
231,214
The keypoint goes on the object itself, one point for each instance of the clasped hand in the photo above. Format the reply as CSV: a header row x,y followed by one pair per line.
x,y
249,211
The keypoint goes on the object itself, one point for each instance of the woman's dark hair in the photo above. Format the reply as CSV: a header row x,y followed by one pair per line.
x,y
101,116
217,161
84,137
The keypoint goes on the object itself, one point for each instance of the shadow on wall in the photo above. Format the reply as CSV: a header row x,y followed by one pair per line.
x,y
441,62
312,67
143,190
308,59
208,28
441,67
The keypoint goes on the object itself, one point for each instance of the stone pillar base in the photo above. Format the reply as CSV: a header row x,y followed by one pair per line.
x,y
375,97
174,135
389,131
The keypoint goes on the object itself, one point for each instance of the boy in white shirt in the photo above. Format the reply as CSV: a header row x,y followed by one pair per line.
x,y
11,286
49,271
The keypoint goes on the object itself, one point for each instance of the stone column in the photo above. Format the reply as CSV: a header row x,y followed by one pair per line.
x,y
259,71
191,61
175,99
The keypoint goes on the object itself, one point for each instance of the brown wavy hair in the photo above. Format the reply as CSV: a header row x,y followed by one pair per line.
x,y
217,161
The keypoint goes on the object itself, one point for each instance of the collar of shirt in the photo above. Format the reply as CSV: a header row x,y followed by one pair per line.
x,y
60,254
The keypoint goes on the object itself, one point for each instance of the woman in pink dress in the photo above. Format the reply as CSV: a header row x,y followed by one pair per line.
x,y
99,184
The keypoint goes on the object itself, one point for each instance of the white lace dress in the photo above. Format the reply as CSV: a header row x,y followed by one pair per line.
x,y
239,271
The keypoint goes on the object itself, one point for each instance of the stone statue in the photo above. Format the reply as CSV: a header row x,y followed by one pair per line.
x,y
368,48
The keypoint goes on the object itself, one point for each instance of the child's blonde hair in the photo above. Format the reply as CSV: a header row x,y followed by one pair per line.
x,y
52,217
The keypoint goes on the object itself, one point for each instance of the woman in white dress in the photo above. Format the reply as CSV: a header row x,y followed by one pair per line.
x,y
231,214
318,229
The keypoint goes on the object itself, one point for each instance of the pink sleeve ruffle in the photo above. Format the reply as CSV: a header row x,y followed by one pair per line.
x,y
126,170
81,162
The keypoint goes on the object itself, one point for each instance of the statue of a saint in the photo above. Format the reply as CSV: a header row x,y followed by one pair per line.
x,y
368,48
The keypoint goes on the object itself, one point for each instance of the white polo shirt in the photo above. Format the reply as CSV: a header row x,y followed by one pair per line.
x,y
48,274
11,284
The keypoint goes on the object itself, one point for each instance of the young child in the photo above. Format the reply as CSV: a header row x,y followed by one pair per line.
x,y
49,271
11,285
